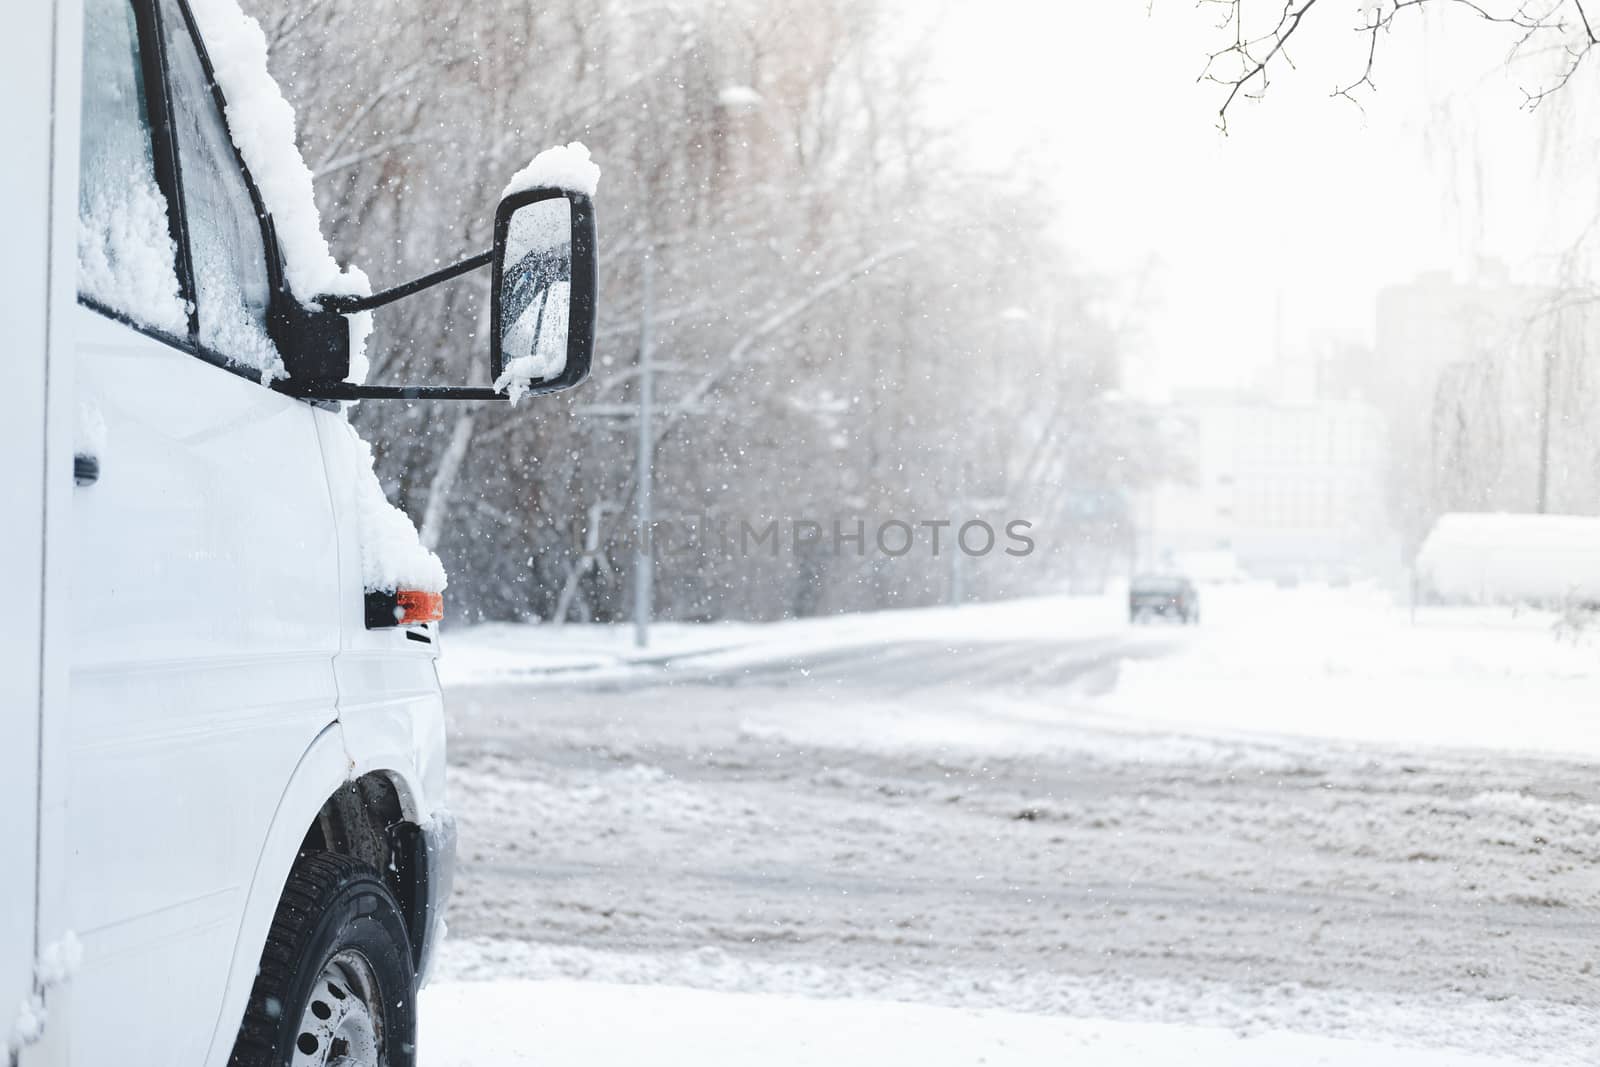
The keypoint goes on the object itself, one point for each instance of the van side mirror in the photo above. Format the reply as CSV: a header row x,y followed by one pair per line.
x,y
542,295
542,307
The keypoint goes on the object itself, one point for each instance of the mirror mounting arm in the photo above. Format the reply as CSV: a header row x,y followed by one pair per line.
x,y
314,337
347,305
350,391
322,390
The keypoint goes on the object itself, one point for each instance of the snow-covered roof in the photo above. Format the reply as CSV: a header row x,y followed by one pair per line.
x,y
1505,558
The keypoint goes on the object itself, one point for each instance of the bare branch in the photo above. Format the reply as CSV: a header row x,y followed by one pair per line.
x,y
1254,57
372,151
337,141
742,348
1583,15
1245,50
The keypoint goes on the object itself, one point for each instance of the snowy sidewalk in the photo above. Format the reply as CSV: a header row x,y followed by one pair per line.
x,y
1346,664
539,653
596,1024
1350,664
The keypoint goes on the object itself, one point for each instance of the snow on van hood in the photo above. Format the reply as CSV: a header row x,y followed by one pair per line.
x,y
262,125
392,556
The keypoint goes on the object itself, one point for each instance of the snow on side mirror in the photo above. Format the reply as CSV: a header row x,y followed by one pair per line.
x,y
543,292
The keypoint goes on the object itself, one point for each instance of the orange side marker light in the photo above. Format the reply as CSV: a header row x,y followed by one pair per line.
x,y
411,606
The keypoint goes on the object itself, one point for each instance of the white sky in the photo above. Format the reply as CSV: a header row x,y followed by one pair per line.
x,y
1307,200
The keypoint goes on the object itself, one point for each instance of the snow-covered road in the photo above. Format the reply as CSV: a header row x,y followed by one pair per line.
x,y
561,1023
980,821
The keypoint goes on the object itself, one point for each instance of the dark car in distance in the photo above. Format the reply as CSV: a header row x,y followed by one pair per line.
x,y
1165,596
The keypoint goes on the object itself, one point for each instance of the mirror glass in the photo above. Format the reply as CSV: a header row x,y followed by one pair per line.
x,y
536,290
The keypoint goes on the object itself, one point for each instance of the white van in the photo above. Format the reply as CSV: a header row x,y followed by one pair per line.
x,y
222,737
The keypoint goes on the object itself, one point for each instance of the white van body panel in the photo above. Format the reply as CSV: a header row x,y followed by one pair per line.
x,y
389,696
208,482
205,599
325,767
320,771
231,717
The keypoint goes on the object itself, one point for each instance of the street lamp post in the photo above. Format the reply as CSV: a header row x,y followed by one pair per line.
x,y
644,556
644,464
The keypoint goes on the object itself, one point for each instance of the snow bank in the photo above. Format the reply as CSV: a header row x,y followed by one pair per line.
x,y
1549,560
1351,665
262,125
562,167
496,653
392,556
1337,664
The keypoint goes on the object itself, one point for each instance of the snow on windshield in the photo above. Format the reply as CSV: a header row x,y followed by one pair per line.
x,y
125,250
263,128
125,253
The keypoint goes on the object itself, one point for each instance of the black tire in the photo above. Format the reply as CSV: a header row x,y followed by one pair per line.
x,y
332,908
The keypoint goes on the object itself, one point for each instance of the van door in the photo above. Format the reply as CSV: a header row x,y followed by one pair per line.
x,y
205,595
25,127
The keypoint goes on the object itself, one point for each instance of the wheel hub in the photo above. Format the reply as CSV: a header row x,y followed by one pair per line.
x,y
340,1024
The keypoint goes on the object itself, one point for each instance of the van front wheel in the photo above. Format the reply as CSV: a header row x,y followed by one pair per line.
x,y
336,983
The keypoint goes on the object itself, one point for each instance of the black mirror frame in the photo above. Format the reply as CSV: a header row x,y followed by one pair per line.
x,y
330,325
581,309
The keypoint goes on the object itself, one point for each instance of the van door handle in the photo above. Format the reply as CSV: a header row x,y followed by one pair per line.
x,y
85,469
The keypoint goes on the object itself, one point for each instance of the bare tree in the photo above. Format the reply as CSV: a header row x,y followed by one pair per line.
x,y
828,277
1258,47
